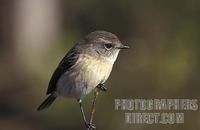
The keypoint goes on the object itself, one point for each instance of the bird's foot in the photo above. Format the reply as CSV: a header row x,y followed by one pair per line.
x,y
102,87
90,126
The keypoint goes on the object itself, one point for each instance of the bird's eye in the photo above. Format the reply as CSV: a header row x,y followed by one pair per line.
x,y
108,46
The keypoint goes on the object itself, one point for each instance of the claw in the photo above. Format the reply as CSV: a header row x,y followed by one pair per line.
x,y
90,126
102,87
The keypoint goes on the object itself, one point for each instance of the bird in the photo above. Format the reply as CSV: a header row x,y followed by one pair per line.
x,y
86,66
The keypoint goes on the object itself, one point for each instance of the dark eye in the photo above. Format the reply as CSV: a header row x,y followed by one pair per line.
x,y
108,46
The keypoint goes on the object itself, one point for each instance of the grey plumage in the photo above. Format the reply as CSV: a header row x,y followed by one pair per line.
x,y
68,61
86,65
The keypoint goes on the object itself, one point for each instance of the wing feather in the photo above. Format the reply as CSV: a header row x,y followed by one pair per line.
x,y
66,63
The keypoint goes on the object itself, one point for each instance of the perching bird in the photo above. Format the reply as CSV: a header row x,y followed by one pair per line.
x,y
85,67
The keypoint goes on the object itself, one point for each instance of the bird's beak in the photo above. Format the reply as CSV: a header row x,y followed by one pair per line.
x,y
123,46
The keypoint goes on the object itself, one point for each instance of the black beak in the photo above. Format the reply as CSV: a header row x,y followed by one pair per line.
x,y
123,47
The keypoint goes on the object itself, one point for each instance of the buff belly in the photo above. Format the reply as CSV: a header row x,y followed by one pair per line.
x,y
83,77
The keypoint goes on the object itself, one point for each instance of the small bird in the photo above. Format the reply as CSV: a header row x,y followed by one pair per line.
x,y
85,67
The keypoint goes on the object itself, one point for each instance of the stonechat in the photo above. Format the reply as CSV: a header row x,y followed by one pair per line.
x,y
85,67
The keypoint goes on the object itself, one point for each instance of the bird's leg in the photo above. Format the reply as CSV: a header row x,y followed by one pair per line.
x,y
101,87
93,105
89,125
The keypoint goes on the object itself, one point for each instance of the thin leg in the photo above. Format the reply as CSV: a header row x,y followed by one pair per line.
x,y
88,125
99,87
93,106
82,111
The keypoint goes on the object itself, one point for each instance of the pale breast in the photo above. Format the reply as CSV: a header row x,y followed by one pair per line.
x,y
94,70
84,76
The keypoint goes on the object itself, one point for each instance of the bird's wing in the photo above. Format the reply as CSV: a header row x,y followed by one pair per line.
x,y
66,63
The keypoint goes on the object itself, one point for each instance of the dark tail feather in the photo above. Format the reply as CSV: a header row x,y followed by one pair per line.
x,y
47,102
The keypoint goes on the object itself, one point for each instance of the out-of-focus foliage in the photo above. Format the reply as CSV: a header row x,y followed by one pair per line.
x,y
163,61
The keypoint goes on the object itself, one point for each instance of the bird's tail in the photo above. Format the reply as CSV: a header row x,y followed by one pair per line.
x,y
47,102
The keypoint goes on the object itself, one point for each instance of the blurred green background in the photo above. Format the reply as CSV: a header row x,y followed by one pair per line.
x,y
163,61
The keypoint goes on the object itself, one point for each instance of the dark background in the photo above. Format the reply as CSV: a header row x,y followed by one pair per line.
x,y
163,61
